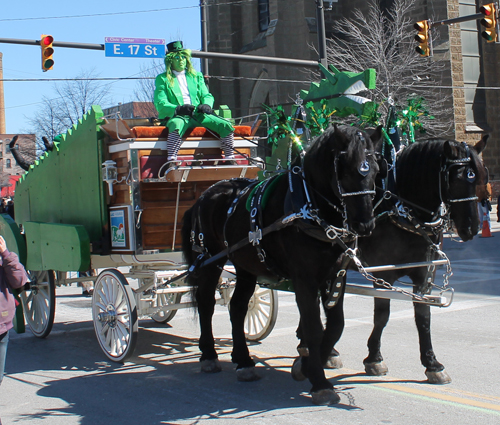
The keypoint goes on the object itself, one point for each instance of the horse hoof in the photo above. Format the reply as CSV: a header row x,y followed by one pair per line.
x,y
210,366
247,374
325,397
297,374
439,378
376,369
334,362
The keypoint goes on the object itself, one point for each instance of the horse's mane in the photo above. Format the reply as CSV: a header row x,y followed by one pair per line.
x,y
339,139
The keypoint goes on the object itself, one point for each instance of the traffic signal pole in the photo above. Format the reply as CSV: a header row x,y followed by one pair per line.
x,y
194,53
474,17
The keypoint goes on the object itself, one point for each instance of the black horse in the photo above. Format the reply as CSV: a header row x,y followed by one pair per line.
x,y
298,234
435,185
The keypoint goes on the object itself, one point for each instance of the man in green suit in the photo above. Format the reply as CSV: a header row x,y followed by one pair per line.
x,y
183,101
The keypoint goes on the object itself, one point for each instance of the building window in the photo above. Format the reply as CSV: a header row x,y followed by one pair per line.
x,y
263,6
475,102
7,164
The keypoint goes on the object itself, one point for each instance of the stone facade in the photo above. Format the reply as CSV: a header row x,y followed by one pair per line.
x,y
8,165
234,28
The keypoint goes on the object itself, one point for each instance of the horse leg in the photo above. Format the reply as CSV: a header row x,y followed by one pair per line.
x,y
322,391
335,323
238,308
374,363
433,369
334,327
205,298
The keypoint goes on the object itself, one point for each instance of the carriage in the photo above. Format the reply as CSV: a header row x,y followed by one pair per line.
x,y
101,200
104,200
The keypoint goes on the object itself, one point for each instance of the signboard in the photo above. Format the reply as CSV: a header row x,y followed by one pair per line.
x,y
126,47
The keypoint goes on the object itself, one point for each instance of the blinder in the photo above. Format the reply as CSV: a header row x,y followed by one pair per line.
x,y
363,169
470,176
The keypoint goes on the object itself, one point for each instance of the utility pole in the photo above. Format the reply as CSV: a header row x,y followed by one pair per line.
x,y
204,36
3,128
320,22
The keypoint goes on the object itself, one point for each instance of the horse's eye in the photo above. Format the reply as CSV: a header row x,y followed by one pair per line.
x,y
471,176
364,168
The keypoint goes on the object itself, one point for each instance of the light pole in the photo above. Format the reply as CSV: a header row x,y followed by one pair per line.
x,y
204,36
320,22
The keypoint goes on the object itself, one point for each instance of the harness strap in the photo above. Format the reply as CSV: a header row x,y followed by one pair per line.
x,y
255,235
336,288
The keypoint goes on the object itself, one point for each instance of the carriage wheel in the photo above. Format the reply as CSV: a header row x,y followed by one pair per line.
x,y
114,313
163,300
39,302
262,314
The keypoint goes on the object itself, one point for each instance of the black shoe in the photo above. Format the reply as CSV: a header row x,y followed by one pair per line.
x,y
88,293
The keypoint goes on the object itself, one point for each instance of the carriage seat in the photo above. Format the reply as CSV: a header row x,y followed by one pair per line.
x,y
161,132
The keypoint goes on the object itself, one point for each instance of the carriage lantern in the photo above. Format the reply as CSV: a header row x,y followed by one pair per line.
x,y
489,21
109,174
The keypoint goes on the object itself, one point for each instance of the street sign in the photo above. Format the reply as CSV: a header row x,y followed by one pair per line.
x,y
126,47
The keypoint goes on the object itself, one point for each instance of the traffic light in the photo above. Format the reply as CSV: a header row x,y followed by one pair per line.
x,y
422,38
489,22
47,52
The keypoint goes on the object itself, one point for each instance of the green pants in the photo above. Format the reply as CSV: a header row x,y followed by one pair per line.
x,y
214,123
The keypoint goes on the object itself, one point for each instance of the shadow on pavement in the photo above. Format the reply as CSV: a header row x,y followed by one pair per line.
x,y
161,383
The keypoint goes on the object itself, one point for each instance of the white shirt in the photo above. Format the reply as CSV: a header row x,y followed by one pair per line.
x,y
181,79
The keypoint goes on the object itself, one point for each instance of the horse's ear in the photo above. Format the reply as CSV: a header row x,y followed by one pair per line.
x,y
340,142
479,146
448,149
377,137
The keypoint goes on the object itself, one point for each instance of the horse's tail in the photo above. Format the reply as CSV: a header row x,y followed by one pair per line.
x,y
187,248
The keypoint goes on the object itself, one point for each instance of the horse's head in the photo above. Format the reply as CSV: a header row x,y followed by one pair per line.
x,y
343,164
463,172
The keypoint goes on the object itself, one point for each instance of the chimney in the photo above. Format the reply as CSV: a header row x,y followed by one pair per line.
x,y
3,130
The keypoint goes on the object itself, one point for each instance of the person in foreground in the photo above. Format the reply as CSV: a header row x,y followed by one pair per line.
x,y
12,276
183,102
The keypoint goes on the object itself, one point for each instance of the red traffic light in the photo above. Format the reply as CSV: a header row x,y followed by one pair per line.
x,y
489,22
47,52
47,40
487,9
422,38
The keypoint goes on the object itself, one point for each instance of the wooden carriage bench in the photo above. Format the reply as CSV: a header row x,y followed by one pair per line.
x,y
156,197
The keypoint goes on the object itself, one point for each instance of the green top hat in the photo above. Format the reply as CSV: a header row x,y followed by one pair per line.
x,y
175,46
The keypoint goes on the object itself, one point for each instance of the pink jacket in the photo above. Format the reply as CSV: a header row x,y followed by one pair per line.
x,y
12,276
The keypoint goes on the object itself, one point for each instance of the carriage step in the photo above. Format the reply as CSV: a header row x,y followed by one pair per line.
x,y
389,294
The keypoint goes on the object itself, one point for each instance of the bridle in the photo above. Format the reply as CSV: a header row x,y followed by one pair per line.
x,y
363,169
445,172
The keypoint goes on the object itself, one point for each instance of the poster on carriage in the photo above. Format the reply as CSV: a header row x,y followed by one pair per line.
x,y
120,224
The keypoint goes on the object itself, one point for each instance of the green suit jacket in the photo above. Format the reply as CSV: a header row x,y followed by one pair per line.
x,y
167,97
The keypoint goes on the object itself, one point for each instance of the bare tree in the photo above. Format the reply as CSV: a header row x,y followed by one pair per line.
x,y
384,39
74,98
144,91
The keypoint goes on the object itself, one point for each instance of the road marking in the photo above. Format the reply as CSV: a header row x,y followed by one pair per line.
x,y
438,394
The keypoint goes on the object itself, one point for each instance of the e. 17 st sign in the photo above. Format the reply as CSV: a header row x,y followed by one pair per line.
x,y
134,47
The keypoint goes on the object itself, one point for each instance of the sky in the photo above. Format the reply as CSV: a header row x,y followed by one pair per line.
x,y
83,22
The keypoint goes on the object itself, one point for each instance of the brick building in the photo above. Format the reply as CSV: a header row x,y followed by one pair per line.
x,y
8,164
288,28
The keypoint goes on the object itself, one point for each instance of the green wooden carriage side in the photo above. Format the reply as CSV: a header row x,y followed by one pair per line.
x,y
61,201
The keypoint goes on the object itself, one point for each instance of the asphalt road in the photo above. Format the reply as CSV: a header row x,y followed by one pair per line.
x,y
66,379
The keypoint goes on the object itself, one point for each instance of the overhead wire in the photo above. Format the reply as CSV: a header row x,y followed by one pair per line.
x,y
92,15
229,79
